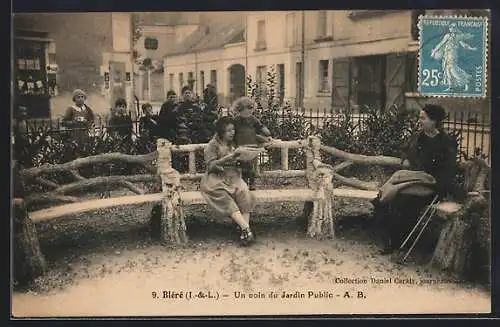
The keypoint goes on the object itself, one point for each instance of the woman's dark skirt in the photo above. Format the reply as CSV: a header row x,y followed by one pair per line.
x,y
398,218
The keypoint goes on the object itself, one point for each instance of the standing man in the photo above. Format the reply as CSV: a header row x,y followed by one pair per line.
x,y
188,115
166,117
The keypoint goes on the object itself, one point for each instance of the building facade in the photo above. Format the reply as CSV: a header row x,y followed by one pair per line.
x,y
155,41
350,57
93,52
80,38
214,54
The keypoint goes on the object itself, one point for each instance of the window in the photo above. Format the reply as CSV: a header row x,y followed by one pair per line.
x,y
213,77
261,77
281,79
322,24
171,81
291,30
323,77
52,58
413,72
21,64
298,84
150,43
181,82
370,80
261,35
191,80
202,81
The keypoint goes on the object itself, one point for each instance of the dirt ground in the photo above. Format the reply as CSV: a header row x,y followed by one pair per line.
x,y
105,264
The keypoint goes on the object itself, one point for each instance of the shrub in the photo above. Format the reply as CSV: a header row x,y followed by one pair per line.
x,y
340,130
283,123
384,132
49,147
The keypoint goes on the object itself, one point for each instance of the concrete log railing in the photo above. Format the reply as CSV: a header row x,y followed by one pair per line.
x,y
168,217
319,195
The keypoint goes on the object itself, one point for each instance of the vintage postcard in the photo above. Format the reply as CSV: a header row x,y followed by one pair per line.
x,y
367,190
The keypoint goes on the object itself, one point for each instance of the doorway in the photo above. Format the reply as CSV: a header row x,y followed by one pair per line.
x,y
236,82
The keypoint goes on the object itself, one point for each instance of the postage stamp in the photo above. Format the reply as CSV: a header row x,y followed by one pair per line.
x,y
453,56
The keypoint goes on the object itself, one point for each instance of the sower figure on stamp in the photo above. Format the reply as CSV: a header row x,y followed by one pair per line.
x,y
447,50
431,160
249,132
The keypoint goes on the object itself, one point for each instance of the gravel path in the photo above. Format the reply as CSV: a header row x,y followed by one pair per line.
x,y
105,265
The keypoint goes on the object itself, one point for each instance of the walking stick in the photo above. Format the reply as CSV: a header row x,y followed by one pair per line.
x,y
418,222
433,210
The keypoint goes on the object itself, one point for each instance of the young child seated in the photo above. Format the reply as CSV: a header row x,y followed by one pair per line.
x,y
249,131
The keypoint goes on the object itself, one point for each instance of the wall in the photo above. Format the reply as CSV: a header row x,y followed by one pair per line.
x,y
363,36
165,36
218,59
80,38
390,32
387,25
277,49
381,34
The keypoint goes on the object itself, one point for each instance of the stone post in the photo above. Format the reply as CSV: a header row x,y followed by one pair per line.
x,y
169,219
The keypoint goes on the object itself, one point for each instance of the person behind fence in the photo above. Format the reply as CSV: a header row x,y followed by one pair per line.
x,y
148,124
167,118
187,115
249,132
120,125
430,157
210,109
79,117
222,186
20,137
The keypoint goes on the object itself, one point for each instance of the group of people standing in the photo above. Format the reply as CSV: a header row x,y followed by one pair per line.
x,y
79,119
182,122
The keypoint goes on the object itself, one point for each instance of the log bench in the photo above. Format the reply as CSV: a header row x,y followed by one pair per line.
x,y
319,197
318,174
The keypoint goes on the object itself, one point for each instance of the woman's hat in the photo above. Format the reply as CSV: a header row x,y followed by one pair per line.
x,y
78,92
435,112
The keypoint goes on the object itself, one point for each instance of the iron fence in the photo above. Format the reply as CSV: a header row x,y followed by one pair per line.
x,y
56,126
473,129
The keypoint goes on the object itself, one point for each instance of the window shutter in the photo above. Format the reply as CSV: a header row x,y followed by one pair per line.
x,y
341,83
396,82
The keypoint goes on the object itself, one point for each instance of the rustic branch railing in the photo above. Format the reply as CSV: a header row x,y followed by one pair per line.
x,y
57,192
319,196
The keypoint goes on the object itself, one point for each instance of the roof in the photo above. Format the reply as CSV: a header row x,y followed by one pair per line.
x,y
213,34
168,18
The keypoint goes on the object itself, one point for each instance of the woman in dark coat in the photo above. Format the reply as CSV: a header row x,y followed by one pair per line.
x,y
431,152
